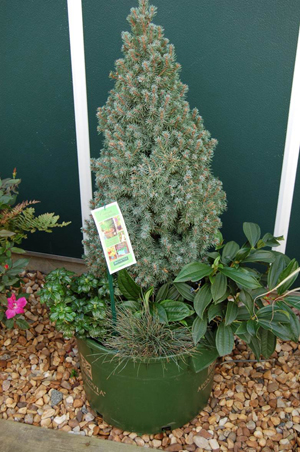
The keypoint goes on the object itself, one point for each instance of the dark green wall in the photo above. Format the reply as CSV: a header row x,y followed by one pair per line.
x,y
37,130
238,59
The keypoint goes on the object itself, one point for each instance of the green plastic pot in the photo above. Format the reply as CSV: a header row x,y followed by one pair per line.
x,y
145,397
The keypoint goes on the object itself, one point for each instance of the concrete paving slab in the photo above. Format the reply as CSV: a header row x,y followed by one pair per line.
x,y
19,437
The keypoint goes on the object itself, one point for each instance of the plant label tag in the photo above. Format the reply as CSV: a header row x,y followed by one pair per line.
x,y
114,237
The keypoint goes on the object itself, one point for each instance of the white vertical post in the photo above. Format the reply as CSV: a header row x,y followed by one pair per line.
x,y
80,104
290,159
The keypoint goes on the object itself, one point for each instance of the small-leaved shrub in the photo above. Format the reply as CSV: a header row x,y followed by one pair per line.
x,y
78,304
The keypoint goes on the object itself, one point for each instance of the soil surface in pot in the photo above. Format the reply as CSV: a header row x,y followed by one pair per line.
x,y
253,406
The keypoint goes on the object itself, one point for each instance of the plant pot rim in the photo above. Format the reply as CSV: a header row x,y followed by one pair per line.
x,y
139,360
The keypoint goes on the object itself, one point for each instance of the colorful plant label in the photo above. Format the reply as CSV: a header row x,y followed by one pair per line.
x,y
114,237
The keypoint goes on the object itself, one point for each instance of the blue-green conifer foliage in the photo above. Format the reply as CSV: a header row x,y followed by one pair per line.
x,y
155,159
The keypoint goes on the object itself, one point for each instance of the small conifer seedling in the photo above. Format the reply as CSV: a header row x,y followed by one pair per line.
x,y
155,160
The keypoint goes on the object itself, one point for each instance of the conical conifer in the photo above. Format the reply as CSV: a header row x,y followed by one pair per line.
x,y
155,159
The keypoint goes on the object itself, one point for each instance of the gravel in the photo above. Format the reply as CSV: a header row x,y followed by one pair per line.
x,y
254,406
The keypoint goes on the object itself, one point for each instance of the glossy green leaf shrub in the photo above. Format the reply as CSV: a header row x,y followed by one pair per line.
x,y
78,304
244,291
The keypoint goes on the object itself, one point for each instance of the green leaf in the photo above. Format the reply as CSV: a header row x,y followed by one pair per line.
x,y
202,299
1,315
22,324
193,272
261,256
269,240
10,323
243,313
173,293
274,313
252,232
293,321
198,329
231,312
127,286
16,250
4,233
268,342
162,292
215,310
203,357
293,300
229,252
185,290
242,254
275,270
242,332
247,300
224,339
131,304
252,327
243,279
293,265
159,312
255,346
219,286
176,310
148,295
282,331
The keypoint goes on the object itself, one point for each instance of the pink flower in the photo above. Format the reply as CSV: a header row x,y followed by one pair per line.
x,y
15,306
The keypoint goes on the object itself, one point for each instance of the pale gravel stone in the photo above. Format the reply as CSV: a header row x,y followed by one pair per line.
x,y
56,397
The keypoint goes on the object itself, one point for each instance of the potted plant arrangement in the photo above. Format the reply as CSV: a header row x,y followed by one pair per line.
x,y
181,305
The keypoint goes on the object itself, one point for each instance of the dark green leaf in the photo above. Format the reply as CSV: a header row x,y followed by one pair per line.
x,y
224,339
173,293
159,312
293,300
269,240
127,286
10,323
22,324
185,290
252,232
282,331
243,313
215,310
199,329
242,254
274,313
268,342
247,300
293,265
275,269
293,321
194,272
242,333
219,286
231,312
203,357
176,310
202,299
252,327
229,252
243,279
255,346
162,293
261,256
